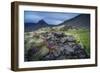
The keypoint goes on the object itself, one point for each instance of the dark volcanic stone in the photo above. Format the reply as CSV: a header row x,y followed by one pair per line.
x,y
60,47
66,47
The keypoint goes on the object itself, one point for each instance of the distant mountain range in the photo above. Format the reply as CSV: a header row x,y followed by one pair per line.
x,y
83,20
35,26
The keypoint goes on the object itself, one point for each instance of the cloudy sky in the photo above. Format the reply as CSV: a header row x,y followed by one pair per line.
x,y
49,17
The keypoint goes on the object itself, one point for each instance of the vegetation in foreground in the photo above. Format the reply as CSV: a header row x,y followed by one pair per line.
x,y
36,48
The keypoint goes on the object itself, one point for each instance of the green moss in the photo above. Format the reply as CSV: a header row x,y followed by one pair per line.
x,y
82,35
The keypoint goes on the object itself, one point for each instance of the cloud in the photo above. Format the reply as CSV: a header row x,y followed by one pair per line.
x,y
53,21
32,18
50,17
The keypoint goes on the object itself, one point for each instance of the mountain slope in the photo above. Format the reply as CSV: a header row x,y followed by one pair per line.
x,y
83,20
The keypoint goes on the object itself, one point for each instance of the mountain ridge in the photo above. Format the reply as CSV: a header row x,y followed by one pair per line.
x,y
82,20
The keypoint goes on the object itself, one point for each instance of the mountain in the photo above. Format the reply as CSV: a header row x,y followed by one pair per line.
x,y
83,20
42,22
34,26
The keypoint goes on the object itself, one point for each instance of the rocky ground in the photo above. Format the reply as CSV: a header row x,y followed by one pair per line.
x,y
60,46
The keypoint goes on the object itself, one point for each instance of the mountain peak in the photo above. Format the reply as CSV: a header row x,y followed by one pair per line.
x,y
41,22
